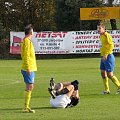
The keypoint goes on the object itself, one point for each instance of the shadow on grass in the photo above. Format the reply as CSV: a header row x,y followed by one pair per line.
x,y
20,109
99,95
10,108
39,108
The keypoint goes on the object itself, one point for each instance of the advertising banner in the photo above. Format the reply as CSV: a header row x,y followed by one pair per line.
x,y
44,42
99,13
89,41
73,42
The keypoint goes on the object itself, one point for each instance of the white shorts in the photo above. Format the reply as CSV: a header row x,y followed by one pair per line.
x,y
61,101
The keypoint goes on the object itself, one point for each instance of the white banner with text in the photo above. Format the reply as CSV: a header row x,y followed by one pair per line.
x,y
73,42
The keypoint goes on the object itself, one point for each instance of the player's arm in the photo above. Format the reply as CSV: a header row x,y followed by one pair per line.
x,y
108,38
27,54
76,94
110,43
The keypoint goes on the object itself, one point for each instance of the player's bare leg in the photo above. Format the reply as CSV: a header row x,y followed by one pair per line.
x,y
71,90
61,88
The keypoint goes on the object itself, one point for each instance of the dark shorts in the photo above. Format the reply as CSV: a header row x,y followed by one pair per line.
x,y
28,78
108,65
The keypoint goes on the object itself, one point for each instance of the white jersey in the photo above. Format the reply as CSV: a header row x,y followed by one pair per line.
x,y
61,101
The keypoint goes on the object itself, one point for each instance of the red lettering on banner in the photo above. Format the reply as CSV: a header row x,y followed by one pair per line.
x,y
116,45
54,35
51,34
115,36
96,37
87,46
38,35
43,35
83,37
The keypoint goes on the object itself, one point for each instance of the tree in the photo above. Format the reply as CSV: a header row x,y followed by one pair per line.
x,y
68,12
111,3
16,14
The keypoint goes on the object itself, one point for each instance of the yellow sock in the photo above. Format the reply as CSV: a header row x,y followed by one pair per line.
x,y
115,81
27,98
105,82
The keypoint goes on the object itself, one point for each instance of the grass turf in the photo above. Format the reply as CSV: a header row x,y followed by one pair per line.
x,y
92,106
108,25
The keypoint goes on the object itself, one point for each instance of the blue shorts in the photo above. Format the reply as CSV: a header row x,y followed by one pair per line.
x,y
28,78
108,65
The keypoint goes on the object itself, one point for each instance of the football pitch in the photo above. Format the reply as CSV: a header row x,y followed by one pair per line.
x,y
93,105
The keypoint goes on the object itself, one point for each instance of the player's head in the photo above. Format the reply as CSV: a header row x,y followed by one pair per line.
x,y
101,27
29,30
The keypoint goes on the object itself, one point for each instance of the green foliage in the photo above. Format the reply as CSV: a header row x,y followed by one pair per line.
x,y
45,15
69,15
15,14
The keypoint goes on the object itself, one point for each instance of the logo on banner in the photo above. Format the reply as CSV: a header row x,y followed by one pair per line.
x,y
15,48
99,13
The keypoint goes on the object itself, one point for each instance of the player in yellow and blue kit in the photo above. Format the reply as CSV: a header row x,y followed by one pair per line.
x,y
28,66
107,60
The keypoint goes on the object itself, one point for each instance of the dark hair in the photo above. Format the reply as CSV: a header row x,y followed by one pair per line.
x,y
74,102
28,29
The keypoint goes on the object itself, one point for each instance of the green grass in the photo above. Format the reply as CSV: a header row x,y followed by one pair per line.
x,y
108,25
92,106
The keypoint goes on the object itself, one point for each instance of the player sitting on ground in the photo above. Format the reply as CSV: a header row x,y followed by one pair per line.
x,y
64,95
